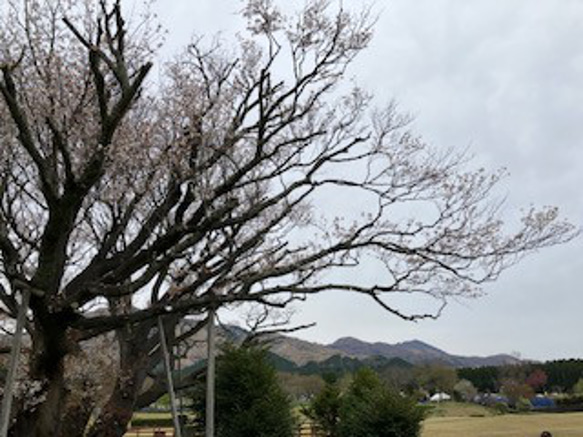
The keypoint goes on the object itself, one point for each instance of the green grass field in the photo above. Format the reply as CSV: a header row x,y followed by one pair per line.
x,y
459,409
452,419
162,415
510,425
149,433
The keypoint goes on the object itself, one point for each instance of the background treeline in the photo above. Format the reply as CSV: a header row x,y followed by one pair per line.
x,y
561,375
336,364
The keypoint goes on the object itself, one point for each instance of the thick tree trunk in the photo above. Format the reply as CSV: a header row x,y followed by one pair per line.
x,y
117,412
41,406
76,418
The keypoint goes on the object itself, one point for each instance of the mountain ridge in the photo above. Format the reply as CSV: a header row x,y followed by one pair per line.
x,y
414,351
302,352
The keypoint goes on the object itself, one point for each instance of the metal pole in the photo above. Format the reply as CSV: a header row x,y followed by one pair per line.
x,y
210,376
178,430
13,366
179,353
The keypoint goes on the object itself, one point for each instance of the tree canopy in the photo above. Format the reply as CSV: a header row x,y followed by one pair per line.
x,y
249,399
366,408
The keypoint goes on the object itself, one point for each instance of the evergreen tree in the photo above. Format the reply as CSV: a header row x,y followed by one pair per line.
x,y
371,409
368,408
249,400
325,407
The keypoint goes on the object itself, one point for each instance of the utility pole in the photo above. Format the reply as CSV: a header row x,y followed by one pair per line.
x,y
13,365
178,430
210,375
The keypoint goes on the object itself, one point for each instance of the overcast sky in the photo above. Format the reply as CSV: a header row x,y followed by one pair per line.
x,y
504,78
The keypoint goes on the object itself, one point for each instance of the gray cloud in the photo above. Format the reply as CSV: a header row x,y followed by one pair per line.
x,y
504,78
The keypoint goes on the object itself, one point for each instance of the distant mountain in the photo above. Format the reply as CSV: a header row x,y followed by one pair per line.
x,y
336,364
295,354
297,351
343,364
416,352
301,352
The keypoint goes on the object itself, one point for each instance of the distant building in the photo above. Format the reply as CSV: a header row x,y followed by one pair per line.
x,y
438,397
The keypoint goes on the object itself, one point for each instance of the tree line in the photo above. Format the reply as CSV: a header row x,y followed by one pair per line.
x,y
553,376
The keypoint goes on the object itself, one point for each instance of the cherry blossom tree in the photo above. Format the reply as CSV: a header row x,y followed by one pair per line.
x,y
537,379
123,199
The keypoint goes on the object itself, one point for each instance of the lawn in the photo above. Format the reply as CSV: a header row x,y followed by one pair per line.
x,y
149,432
452,419
458,409
152,415
510,425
